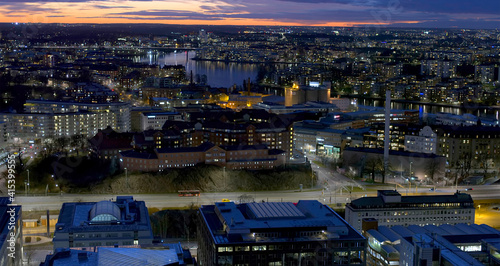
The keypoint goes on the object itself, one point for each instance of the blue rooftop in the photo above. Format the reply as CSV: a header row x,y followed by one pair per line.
x,y
232,223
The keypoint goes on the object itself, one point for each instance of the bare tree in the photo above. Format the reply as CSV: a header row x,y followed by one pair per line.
x,y
463,166
434,170
483,162
374,164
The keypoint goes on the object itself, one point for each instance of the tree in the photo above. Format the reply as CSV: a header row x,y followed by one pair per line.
x,y
483,161
463,166
78,142
61,143
374,164
434,170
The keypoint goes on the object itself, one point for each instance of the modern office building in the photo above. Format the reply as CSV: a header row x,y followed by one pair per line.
x,y
389,208
460,244
124,222
277,233
11,236
320,138
136,116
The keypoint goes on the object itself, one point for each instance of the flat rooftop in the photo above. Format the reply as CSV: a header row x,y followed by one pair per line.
x,y
236,223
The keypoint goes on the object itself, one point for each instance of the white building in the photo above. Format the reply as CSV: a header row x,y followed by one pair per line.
x,y
121,110
155,120
425,142
389,208
31,127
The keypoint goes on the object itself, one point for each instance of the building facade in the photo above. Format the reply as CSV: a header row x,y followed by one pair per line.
x,y
389,208
277,233
155,120
459,244
124,222
425,142
121,110
30,127
467,144
233,157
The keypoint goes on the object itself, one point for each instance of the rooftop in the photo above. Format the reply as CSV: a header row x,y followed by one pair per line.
x,y
125,214
232,223
465,200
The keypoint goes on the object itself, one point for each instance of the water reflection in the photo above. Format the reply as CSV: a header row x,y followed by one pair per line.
x,y
219,74
433,109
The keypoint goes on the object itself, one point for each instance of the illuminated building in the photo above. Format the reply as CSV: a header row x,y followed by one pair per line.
x,y
233,157
277,233
124,222
458,244
301,94
389,208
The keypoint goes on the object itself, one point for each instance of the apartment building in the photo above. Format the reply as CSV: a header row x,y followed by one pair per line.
x,y
121,110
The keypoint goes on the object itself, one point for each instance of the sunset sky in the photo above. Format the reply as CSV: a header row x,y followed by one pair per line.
x,y
415,13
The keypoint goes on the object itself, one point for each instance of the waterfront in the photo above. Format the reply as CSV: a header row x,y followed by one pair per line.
x,y
434,108
219,74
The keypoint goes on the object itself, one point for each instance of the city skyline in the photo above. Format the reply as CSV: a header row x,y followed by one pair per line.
x,y
341,13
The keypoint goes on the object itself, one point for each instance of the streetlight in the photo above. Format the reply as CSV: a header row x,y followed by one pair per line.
x,y
224,178
28,180
410,169
126,176
312,177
